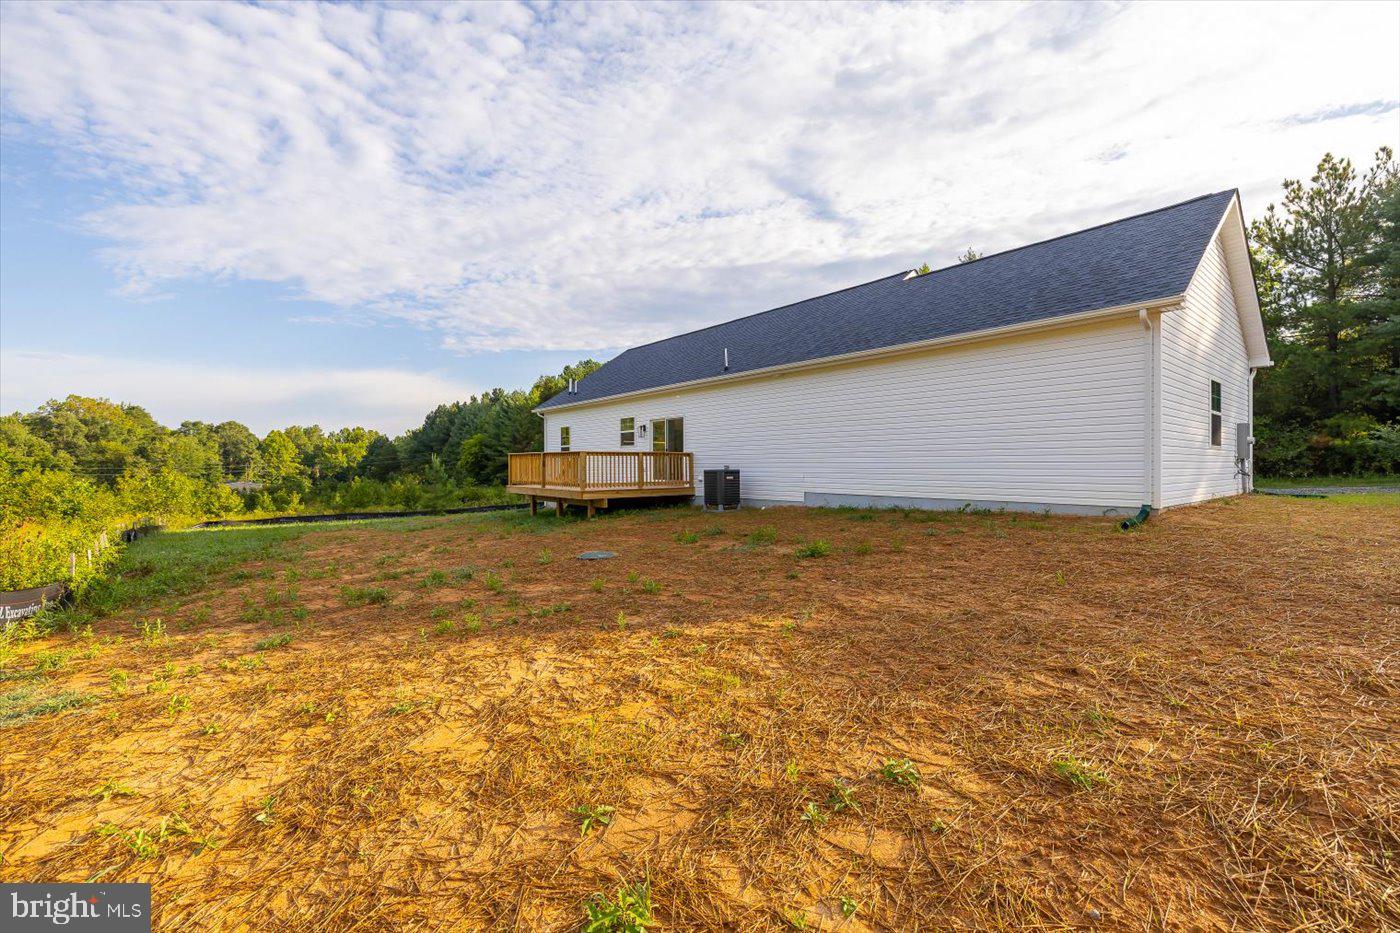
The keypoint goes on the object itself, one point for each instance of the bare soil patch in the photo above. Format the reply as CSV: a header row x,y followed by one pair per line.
x,y
1191,725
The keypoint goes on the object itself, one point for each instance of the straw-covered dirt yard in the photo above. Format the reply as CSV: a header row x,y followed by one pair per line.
x,y
840,720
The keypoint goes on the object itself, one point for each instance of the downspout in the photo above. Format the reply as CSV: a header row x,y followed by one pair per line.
x,y
1149,435
1247,466
1253,371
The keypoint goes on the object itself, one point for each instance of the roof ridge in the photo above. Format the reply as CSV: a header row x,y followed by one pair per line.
x,y
904,274
1106,223
745,317
1014,249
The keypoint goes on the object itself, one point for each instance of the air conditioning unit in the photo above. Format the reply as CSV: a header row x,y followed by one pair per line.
x,y
722,489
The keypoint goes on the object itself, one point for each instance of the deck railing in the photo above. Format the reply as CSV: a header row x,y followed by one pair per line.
x,y
603,469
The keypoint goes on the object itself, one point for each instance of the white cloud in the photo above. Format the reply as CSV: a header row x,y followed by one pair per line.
x,y
584,176
389,400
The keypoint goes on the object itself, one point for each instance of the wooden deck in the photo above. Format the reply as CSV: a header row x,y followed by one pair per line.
x,y
590,478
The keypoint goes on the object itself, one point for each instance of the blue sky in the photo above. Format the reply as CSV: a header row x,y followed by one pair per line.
x,y
65,312
350,213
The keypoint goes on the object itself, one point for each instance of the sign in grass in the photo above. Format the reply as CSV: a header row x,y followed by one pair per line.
x,y
16,605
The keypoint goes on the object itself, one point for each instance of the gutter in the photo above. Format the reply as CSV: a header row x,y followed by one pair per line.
x,y
903,349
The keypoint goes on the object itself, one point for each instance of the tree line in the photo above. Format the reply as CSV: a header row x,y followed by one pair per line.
x,y
117,446
76,469
1327,266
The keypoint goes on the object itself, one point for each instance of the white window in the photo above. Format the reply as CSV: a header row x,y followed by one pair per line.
x,y
628,432
1214,413
564,438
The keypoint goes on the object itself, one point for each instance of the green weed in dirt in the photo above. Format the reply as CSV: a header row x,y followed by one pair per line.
x,y
22,705
628,911
900,771
365,595
842,797
763,534
592,814
114,788
1077,772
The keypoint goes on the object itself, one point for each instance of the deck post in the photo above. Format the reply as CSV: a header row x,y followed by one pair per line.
x,y
590,508
534,506
559,507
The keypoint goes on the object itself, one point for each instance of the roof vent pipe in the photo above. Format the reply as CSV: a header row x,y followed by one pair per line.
x,y
726,359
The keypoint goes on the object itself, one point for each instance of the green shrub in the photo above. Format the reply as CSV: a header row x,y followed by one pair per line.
x,y
1345,445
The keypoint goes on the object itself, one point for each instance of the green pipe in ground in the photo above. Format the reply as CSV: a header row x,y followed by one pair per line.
x,y
1137,519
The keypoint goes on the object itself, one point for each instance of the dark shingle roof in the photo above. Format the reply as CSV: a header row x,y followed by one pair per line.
x,y
1138,259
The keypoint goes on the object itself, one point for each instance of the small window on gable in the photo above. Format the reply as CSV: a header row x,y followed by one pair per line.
x,y
1214,413
564,438
628,436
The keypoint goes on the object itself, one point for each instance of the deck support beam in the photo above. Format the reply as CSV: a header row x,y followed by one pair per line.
x,y
562,499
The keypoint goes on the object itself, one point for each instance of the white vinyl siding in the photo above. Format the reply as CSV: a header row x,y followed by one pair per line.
x,y
1200,343
1056,417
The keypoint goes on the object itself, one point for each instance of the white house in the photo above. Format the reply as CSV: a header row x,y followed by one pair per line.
x,y
1092,373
